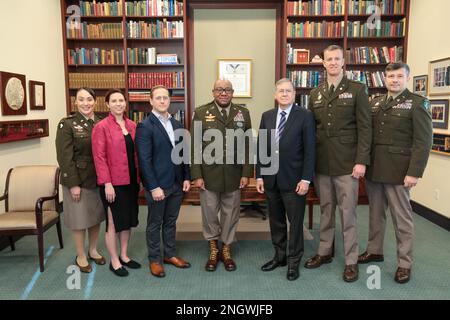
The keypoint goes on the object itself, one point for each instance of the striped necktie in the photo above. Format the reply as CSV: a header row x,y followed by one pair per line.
x,y
281,126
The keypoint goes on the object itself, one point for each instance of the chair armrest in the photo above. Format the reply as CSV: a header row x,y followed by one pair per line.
x,y
4,196
40,202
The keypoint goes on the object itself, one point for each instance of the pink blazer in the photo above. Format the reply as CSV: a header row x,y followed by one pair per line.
x,y
110,152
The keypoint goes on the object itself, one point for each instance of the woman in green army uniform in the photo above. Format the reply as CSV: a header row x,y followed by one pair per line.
x,y
83,209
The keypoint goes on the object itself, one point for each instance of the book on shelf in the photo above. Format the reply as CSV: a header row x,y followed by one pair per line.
x,y
371,79
357,29
315,7
364,7
312,29
151,79
97,80
101,9
167,58
139,116
153,8
141,55
302,100
94,30
306,79
159,29
80,56
368,55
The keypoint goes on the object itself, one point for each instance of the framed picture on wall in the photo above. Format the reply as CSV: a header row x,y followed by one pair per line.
x,y
420,84
439,77
239,72
13,94
439,113
37,95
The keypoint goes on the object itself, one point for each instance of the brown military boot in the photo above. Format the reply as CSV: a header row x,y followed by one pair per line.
x,y
211,264
226,258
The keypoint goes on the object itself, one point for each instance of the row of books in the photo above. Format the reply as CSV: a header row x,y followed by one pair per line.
x,y
99,107
139,116
88,8
144,95
315,7
306,79
141,55
97,80
311,29
151,79
374,55
94,56
371,79
154,8
302,100
158,29
384,29
384,6
94,30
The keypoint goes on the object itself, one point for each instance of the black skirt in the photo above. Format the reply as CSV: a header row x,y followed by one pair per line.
x,y
125,207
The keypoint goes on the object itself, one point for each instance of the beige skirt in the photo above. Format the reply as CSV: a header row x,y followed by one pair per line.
x,y
84,214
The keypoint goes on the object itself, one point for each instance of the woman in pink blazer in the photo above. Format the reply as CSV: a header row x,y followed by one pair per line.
x,y
117,174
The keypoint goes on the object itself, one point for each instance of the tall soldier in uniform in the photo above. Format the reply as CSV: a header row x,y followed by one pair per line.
x,y
83,208
219,182
402,138
343,139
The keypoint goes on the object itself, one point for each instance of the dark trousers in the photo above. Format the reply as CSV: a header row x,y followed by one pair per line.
x,y
161,222
290,204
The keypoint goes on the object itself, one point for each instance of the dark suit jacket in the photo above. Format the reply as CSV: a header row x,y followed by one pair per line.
x,y
154,153
296,149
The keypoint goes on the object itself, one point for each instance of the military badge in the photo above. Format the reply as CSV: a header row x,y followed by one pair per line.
x,y
239,117
426,104
210,117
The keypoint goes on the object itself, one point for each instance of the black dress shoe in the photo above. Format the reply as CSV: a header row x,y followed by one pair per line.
x,y
121,272
292,273
130,264
273,264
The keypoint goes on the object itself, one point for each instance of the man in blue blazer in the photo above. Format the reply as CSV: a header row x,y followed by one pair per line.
x,y
163,180
293,145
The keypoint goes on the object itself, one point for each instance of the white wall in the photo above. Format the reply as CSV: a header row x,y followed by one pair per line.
x,y
233,34
429,40
31,44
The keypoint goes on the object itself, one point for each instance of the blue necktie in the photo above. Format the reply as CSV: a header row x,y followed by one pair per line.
x,y
281,126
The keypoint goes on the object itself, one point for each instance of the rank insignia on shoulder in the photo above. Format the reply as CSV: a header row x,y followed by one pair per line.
x,y
61,125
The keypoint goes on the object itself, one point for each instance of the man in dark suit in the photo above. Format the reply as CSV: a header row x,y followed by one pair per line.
x,y
164,181
286,188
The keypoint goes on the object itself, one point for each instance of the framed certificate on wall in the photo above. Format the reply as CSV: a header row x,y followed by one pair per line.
x,y
238,72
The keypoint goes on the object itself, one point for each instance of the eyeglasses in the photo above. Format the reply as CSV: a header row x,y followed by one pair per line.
x,y
226,90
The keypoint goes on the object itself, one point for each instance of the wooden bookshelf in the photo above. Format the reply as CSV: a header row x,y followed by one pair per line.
x,y
347,14
164,45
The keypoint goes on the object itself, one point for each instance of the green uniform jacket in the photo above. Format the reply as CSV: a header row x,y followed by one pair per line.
x,y
220,177
74,151
402,138
343,127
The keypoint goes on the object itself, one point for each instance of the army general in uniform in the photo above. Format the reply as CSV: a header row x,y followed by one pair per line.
x,y
220,182
83,208
343,140
402,138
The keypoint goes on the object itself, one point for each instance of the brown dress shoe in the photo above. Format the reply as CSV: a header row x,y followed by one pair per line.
x,y
177,262
402,275
350,273
369,257
157,270
100,261
211,264
317,261
229,263
84,269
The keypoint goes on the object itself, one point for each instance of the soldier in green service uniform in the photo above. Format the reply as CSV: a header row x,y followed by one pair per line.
x,y
83,208
343,140
220,182
402,138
